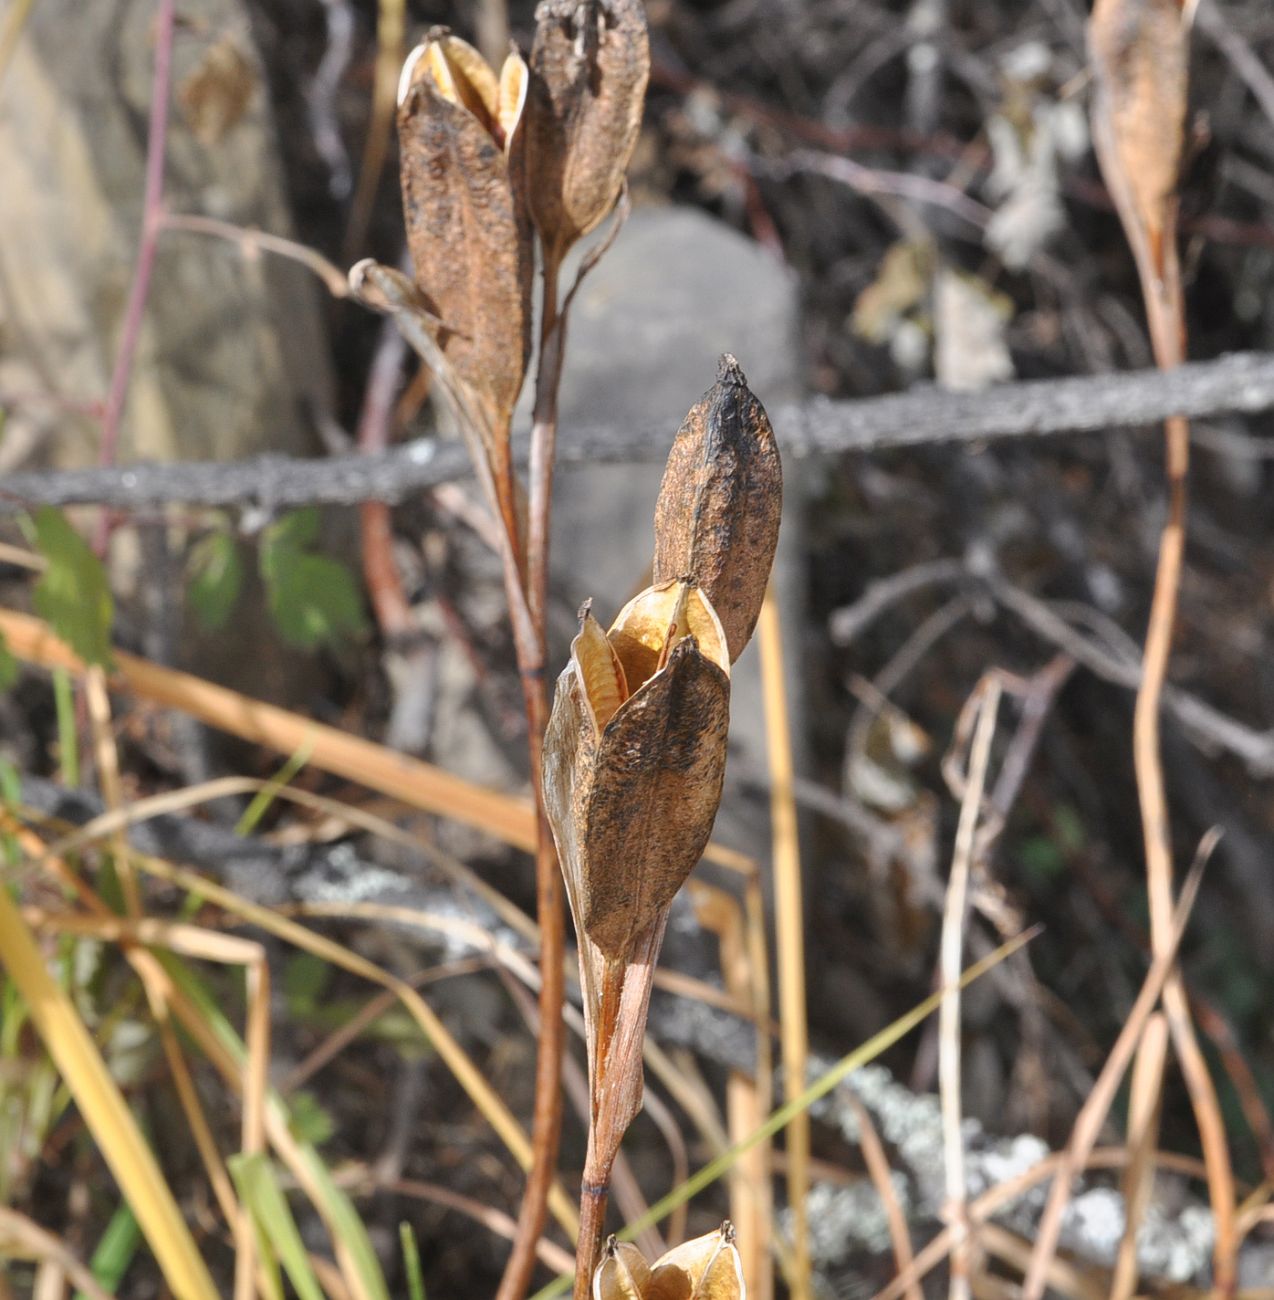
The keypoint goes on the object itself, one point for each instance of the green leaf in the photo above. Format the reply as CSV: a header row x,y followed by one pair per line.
x,y
72,594
216,578
334,1206
8,665
309,1121
115,1250
305,977
255,1180
314,599
411,1262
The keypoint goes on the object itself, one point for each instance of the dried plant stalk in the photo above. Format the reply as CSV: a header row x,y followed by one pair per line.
x,y
635,750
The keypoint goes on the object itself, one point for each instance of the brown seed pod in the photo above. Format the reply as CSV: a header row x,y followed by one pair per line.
x,y
720,502
459,135
623,1273
1140,57
631,789
707,1268
590,62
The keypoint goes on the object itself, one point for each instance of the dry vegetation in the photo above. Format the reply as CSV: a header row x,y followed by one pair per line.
x,y
984,1011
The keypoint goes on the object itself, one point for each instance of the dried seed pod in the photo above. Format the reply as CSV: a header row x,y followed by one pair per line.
x,y
707,1268
632,798
590,62
1140,57
458,130
720,503
623,1273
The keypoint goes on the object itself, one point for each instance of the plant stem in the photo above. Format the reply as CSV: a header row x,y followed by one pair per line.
x,y
593,1200
546,1123
152,218
1161,288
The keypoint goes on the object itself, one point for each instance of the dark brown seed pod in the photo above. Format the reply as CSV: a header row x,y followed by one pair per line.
x,y
590,62
720,502
634,760
458,125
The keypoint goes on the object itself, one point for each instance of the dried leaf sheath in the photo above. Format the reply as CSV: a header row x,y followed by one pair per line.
x,y
470,246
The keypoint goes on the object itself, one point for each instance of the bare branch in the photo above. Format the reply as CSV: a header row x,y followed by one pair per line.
x,y
1240,383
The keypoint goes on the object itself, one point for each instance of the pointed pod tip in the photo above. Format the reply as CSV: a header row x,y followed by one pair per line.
x,y
730,372
584,610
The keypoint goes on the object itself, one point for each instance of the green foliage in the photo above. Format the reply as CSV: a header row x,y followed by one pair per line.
x,y
313,598
68,732
216,578
8,666
266,796
411,1262
115,1250
305,977
72,594
309,1121
277,1234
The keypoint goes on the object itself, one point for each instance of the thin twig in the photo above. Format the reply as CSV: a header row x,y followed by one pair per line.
x,y
1243,383
1145,1096
1097,1105
953,921
252,243
152,216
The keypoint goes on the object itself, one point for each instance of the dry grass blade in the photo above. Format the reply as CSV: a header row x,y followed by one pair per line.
x,y
420,785
790,931
954,917
1097,1105
747,1098
496,1221
390,39
878,1170
206,946
104,1109
1069,1280
995,1199
1143,1130
449,1050
417,784
22,1238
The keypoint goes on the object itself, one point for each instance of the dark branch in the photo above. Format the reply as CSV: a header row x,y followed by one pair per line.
x,y
1240,383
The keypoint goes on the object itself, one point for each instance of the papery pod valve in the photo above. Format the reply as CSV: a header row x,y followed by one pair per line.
x,y
635,758
460,136
707,1268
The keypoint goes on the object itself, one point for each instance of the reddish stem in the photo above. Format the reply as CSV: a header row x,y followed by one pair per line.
x,y
152,220
384,585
